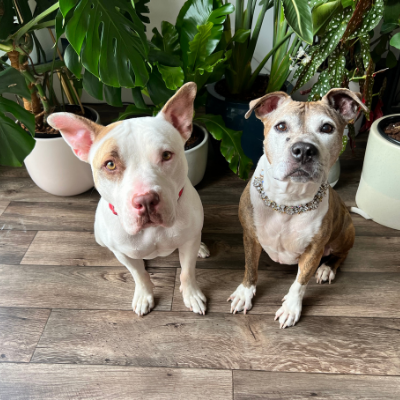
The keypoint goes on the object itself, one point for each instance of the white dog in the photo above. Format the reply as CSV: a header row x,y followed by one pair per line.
x,y
148,207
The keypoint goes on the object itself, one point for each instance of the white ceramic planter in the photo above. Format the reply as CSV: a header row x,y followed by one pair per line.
x,y
54,167
197,159
378,193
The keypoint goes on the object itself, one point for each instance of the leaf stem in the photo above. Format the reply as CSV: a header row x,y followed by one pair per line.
x,y
267,57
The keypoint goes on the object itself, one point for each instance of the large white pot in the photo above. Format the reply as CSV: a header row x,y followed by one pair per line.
x,y
53,166
197,159
378,194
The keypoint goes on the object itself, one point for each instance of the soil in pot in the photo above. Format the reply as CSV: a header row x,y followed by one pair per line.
x,y
49,132
196,138
392,129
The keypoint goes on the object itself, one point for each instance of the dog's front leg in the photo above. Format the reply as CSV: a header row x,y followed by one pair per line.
x,y
292,305
242,297
193,297
143,298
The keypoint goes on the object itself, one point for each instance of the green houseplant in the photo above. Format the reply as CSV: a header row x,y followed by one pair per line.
x,y
189,50
229,97
341,53
50,163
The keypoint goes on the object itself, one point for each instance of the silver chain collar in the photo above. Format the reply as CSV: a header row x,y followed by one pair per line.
x,y
290,210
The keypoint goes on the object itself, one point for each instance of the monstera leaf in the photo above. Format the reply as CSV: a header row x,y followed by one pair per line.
x,y
231,147
15,142
109,37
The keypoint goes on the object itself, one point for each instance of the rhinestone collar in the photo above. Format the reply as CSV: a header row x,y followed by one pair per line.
x,y
311,205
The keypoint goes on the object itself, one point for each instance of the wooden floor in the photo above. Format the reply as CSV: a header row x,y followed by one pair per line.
x,y
67,330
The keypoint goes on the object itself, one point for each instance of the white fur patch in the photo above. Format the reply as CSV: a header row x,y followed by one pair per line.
x,y
204,252
290,312
324,273
241,298
143,300
193,298
285,237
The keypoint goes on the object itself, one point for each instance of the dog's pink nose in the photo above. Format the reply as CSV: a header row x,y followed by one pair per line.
x,y
146,202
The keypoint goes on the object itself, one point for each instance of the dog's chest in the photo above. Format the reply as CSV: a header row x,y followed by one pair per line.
x,y
286,237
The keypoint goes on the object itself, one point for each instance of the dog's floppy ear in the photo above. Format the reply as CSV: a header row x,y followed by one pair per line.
x,y
345,102
77,131
179,109
266,104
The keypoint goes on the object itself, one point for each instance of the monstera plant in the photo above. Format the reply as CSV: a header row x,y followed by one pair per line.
x,y
186,51
119,56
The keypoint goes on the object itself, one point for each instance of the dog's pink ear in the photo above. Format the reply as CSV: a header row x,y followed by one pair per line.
x,y
179,109
345,102
266,104
77,131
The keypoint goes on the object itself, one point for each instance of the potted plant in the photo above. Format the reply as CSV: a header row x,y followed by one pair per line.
x,y
50,162
186,51
378,193
341,52
230,96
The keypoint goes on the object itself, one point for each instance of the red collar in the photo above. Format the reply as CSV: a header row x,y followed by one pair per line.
x,y
115,213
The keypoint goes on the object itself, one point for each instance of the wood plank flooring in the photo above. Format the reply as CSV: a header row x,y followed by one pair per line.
x,y
67,330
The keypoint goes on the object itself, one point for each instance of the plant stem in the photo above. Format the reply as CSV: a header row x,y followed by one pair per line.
x,y
42,68
39,88
256,31
238,14
267,57
65,80
34,21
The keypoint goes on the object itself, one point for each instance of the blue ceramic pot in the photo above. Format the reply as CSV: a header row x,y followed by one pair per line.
x,y
232,112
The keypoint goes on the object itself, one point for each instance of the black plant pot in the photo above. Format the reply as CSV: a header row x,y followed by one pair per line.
x,y
232,112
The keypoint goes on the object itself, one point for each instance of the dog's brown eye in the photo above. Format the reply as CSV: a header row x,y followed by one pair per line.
x,y
166,155
327,128
110,165
281,127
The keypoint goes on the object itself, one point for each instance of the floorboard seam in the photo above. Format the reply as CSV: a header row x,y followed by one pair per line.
x,y
30,244
233,386
173,290
44,327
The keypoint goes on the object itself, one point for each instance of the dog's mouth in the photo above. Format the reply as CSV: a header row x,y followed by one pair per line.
x,y
148,220
298,173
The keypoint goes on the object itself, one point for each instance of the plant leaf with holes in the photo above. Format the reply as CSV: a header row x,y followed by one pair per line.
x,y
13,82
15,142
109,37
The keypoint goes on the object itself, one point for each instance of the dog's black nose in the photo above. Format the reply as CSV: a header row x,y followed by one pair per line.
x,y
304,152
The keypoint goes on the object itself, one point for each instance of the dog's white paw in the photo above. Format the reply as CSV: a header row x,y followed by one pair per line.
x,y
241,298
194,298
324,273
289,313
143,301
203,251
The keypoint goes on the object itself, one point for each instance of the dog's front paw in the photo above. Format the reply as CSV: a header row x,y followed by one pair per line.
x,y
194,298
289,313
324,273
241,298
143,301
203,251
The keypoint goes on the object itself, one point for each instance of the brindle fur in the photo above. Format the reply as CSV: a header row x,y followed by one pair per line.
x,y
252,247
337,233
